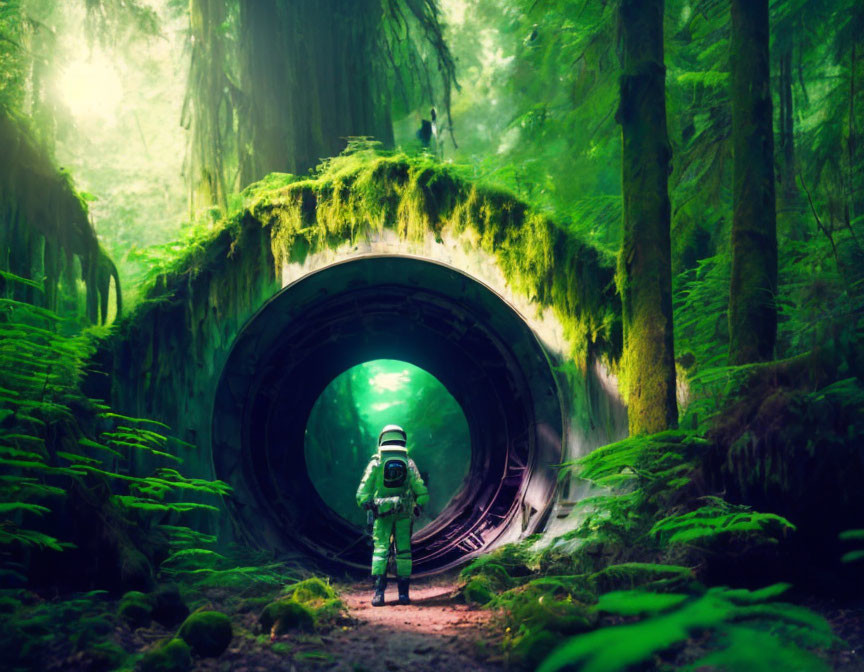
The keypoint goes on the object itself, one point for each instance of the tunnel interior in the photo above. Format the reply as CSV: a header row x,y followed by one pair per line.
x,y
352,410
387,307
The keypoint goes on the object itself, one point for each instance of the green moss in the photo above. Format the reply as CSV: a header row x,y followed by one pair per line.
x,y
311,590
329,611
171,655
207,632
478,590
540,613
136,609
286,615
356,197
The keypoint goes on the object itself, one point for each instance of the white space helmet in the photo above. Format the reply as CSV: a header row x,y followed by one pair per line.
x,y
392,435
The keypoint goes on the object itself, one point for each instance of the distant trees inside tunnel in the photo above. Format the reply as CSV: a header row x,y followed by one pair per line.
x,y
342,432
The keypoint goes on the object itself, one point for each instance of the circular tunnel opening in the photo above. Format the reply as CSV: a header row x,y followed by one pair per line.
x,y
398,308
343,426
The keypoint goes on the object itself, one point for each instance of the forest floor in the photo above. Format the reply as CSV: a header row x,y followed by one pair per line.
x,y
436,632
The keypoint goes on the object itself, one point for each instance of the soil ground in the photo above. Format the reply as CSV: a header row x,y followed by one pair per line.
x,y
436,632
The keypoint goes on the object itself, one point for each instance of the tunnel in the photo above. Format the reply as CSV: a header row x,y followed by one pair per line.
x,y
387,307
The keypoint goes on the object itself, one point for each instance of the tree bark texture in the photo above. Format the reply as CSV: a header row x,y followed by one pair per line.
x,y
208,112
644,263
310,78
752,308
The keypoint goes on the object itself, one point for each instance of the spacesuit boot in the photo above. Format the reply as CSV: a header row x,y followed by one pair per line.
x,y
380,587
403,590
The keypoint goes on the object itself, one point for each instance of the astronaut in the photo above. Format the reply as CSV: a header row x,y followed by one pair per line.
x,y
393,490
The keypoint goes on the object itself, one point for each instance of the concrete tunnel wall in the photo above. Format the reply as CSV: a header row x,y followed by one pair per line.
x,y
503,362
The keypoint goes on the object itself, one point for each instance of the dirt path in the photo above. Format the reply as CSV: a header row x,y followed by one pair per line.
x,y
433,633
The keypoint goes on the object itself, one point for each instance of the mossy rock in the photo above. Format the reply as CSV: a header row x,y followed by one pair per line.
x,y
136,609
207,632
168,606
170,655
287,615
478,591
311,590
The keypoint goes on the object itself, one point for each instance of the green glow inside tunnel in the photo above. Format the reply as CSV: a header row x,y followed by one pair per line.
x,y
342,433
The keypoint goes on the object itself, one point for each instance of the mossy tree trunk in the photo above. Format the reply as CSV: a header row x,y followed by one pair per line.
x,y
208,108
752,309
310,78
644,263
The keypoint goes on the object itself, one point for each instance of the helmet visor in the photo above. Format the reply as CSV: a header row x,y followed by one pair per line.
x,y
391,438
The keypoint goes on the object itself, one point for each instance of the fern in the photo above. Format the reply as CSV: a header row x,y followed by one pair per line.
x,y
181,537
718,519
742,623
42,362
858,554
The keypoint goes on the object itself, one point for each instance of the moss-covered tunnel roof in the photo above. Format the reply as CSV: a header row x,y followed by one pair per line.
x,y
361,194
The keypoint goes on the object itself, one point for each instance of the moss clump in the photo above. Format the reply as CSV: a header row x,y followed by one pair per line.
x,y
478,591
316,596
311,590
168,607
329,611
558,604
136,609
207,632
171,655
286,615
541,612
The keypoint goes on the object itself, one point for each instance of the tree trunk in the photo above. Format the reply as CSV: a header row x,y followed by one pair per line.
x,y
310,79
752,309
644,263
790,218
787,127
207,109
